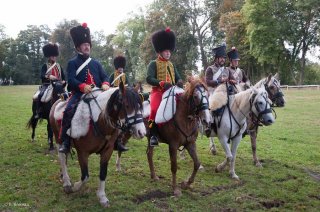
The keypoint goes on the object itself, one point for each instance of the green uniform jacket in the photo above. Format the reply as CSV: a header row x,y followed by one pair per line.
x,y
152,74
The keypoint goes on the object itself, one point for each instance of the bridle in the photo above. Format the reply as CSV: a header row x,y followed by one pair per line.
x,y
277,95
255,104
128,122
203,105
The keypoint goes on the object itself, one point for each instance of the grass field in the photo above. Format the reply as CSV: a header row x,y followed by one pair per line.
x,y
288,181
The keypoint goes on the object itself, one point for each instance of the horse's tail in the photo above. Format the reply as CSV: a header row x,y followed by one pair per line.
x,y
29,124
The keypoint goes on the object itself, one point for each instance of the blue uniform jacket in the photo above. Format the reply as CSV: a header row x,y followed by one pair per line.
x,y
98,73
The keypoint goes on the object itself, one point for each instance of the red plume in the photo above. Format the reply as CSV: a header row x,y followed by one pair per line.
x,y
168,29
84,25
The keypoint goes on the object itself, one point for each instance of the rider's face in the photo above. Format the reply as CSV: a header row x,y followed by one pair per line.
x,y
220,61
84,48
166,54
234,63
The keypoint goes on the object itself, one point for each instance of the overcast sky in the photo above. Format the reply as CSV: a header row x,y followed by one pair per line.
x,y
103,15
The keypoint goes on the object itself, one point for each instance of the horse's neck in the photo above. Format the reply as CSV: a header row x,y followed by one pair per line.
x,y
241,105
260,83
183,109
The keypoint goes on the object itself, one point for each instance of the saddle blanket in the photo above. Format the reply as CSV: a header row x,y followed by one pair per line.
x,y
47,95
218,98
80,123
168,105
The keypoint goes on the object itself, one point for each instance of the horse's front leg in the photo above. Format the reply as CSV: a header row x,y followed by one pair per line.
x,y
83,162
226,148
234,147
212,146
67,187
150,161
173,159
253,138
50,136
118,162
104,161
192,149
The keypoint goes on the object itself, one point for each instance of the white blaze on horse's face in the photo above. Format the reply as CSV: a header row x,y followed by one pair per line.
x,y
138,129
200,95
261,106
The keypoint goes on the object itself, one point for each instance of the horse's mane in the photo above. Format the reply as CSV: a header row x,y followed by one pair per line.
x,y
191,85
131,97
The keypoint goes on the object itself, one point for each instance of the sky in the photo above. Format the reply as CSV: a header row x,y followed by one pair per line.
x,y
103,15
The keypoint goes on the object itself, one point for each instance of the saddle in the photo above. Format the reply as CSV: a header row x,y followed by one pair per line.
x,y
168,105
47,95
88,109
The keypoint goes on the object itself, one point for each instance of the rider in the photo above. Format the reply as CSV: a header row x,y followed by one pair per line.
x,y
161,75
238,73
217,74
119,64
49,71
84,73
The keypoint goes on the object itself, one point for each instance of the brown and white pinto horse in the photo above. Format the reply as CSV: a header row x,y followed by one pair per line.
x,y
122,111
182,130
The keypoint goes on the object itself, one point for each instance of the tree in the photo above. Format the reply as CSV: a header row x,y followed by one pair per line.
x,y
272,41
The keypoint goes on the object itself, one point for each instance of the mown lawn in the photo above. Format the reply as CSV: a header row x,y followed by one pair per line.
x,y
289,180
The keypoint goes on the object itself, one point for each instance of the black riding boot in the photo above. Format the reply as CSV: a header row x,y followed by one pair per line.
x,y
65,148
119,146
153,134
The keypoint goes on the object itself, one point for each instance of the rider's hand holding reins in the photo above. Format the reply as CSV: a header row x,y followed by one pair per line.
x,y
87,89
51,77
105,87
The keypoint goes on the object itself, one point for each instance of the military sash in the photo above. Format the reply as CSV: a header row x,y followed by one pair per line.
x,y
83,65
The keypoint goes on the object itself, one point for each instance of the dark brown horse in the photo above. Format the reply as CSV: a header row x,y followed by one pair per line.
x,y
57,90
121,111
182,130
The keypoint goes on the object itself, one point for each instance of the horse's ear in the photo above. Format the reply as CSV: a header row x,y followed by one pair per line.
x,y
269,78
276,76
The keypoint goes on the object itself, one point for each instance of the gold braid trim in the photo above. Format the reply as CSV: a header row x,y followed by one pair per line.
x,y
163,72
117,82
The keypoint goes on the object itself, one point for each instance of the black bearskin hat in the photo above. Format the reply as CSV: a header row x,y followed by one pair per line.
x,y
119,62
50,49
80,34
220,51
164,40
233,54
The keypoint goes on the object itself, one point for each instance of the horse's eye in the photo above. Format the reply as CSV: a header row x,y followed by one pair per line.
x,y
271,86
260,103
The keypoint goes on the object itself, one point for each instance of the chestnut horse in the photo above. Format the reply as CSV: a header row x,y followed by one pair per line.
x,y
57,90
121,111
182,130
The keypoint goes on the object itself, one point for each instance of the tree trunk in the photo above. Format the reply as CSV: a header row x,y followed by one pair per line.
x,y
303,63
202,52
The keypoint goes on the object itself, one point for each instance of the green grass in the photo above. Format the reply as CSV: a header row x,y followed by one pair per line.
x,y
289,150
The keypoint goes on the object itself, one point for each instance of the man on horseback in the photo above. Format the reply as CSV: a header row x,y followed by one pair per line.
x,y
114,80
119,63
238,74
84,73
217,74
50,71
161,75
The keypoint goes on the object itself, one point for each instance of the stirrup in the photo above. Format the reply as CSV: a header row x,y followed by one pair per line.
x,y
154,141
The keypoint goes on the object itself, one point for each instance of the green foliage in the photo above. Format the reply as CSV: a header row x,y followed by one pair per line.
x,y
289,150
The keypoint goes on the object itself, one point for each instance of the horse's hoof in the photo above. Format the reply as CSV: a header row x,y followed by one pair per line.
x,y
177,193
235,177
185,185
155,178
201,168
217,170
258,164
105,204
67,189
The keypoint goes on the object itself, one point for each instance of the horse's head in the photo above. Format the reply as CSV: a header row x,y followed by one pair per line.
x,y
261,106
125,107
58,89
198,96
272,86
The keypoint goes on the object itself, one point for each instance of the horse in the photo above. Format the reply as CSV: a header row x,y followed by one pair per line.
x,y
272,86
182,130
121,110
58,88
232,123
